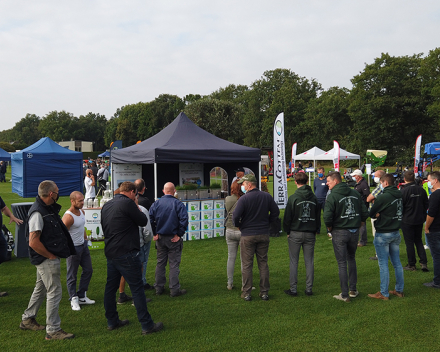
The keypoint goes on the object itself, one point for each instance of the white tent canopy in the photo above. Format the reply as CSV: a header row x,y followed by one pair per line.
x,y
343,155
309,154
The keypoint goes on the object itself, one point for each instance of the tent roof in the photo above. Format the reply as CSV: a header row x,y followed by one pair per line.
x,y
432,148
105,154
182,141
343,155
46,146
4,155
309,154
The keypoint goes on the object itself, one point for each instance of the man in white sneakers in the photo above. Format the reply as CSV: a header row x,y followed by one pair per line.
x,y
74,219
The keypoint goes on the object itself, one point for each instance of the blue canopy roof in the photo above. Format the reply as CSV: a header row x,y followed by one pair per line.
x,y
4,155
106,154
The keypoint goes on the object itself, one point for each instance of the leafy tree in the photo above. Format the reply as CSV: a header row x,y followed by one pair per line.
x,y
59,126
387,108
110,131
326,118
7,147
217,117
430,75
91,127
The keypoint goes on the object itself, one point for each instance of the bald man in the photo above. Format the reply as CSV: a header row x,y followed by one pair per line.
x,y
75,219
169,220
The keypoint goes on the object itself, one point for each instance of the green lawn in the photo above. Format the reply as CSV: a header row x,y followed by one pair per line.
x,y
211,318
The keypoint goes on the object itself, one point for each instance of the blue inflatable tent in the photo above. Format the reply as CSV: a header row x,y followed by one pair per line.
x,y
46,160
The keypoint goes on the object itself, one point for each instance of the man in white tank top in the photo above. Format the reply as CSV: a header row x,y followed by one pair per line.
x,y
74,219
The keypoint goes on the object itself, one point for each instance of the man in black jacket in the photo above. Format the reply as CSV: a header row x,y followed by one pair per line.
x,y
364,190
252,215
120,219
415,205
49,240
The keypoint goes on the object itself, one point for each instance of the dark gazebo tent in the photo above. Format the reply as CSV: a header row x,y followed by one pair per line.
x,y
184,142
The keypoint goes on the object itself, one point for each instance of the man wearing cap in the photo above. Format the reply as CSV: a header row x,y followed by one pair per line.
x,y
364,190
239,173
254,213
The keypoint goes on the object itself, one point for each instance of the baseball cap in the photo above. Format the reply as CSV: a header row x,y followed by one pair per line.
x,y
249,178
239,169
356,173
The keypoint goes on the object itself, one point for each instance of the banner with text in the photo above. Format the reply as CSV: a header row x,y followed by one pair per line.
x,y
336,155
292,167
417,154
279,163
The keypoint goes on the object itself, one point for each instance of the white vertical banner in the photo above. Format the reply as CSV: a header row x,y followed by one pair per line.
x,y
336,154
417,154
279,163
293,157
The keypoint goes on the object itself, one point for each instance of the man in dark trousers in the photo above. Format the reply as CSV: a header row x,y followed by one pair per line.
x,y
344,214
169,220
120,219
320,188
415,205
364,190
142,200
254,213
302,221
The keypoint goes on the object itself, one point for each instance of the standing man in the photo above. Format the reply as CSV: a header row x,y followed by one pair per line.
x,y
74,219
239,173
254,213
372,197
89,183
120,219
2,171
302,220
364,190
3,243
143,200
344,214
415,206
102,176
388,210
321,189
432,226
49,240
169,220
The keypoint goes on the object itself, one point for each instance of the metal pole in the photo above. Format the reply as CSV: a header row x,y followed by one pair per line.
x,y
155,181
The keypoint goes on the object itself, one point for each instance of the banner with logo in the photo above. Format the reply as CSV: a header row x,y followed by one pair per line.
x,y
336,155
279,163
292,168
417,154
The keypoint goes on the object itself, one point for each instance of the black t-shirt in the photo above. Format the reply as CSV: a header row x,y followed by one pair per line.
x,y
434,211
2,205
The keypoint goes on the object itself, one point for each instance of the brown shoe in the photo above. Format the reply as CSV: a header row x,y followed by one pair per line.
x,y
410,268
31,324
397,293
59,335
424,268
360,244
378,295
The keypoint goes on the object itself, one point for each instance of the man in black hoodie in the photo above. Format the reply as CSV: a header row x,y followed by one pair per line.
x,y
388,210
344,213
415,206
302,221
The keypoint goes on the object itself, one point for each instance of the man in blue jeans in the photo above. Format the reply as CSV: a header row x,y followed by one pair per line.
x,y
120,219
432,227
388,210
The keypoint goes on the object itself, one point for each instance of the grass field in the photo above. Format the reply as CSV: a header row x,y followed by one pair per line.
x,y
211,318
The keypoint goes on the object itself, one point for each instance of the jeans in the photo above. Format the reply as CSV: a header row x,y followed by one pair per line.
x,y
83,259
129,266
413,237
434,246
257,245
363,234
48,287
345,246
144,254
306,240
232,240
172,252
387,245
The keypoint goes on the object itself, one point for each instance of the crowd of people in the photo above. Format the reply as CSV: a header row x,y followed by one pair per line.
x,y
131,223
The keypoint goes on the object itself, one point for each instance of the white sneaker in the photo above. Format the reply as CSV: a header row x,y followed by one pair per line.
x,y
339,297
426,247
74,303
86,300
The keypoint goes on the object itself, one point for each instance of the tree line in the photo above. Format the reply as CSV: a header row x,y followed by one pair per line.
x,y
391,102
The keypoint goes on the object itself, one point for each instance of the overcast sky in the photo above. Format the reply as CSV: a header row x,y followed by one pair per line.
x,y
96,56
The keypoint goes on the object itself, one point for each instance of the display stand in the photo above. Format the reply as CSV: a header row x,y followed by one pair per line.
x,y
206,219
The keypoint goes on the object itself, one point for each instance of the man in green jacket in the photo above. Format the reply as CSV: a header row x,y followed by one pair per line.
x,y
302,221
344,213
388,210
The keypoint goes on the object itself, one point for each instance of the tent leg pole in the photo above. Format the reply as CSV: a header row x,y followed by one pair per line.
x,y
155,181
259,182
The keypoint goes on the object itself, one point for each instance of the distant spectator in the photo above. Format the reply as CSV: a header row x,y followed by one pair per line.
x,y
2,171
89,183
